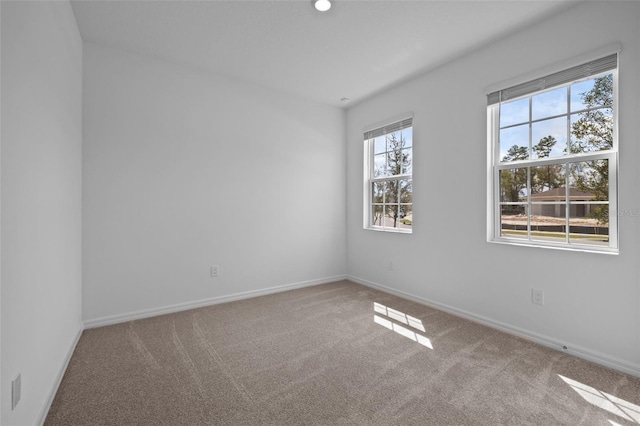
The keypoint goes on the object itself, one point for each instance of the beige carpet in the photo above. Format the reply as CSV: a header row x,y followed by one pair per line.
x,y
335,354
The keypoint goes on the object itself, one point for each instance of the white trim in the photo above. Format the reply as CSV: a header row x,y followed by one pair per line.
x,y
56,384
494,226
391,178
493,181
147,313
578,351
557,66
565,159
368,169
408,231
366,196
576,247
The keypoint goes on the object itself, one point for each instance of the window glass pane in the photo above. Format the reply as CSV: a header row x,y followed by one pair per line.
x,y
548,183
513,185
586,224
391,215
397,161
589,181
406,161
548,211
399,157
548,104
549,138
380,165
548,228
548,203
592,130
589,222
391,192
514,112
407,135
379,145
406,191
514,143
377,193
406,216
592,93
513,221
395,141
377,216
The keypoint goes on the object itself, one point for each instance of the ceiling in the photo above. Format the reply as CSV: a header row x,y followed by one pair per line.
x,y
355,50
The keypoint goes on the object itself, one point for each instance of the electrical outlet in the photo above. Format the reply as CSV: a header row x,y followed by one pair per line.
x,y
15,391
537,296
215,271
390,265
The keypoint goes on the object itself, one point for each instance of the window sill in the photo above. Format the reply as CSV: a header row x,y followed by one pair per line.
x,y
565,247
391,230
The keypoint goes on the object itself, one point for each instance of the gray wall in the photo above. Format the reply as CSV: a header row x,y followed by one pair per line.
x,y
184,170
41,207
592,301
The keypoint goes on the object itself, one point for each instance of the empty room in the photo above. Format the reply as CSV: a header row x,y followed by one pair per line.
x,y
332,212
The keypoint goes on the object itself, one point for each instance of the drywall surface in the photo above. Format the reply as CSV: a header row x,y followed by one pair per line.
x,y
183,170
41,201
591,300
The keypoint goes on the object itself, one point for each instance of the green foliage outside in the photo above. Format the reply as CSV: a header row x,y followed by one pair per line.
x,y
592,131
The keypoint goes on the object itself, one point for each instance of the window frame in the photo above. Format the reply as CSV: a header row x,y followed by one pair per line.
x,y
369,171
495,165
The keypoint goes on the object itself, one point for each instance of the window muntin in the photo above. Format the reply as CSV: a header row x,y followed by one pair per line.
x,y
389,185
554,165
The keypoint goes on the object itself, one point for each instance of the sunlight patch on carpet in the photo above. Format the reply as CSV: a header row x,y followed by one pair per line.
x,y
610,403
403,318
398,316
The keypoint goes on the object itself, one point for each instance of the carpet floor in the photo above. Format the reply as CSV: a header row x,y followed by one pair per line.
x,y
333,354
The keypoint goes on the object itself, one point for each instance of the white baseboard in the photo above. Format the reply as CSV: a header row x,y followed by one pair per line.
x,y
56,384
147,313
580,352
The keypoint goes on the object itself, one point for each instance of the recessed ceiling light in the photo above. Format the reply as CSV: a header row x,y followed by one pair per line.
x,y
322,5
345,100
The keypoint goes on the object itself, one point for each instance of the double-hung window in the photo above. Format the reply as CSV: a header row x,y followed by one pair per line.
x,y
553,155
389,179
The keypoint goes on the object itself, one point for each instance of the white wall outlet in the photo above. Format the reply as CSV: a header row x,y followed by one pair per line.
x,y
16,384
390,265
215,271
537,296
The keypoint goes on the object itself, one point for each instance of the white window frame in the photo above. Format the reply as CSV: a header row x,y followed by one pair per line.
x,y
386,127
494,226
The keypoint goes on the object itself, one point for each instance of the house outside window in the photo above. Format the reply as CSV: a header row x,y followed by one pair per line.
x,y
553,155
389,177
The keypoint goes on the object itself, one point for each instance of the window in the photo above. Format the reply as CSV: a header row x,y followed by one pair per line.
x,y
553,159
389,182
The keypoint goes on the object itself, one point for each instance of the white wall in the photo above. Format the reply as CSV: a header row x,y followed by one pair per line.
x,y
41,190
592,301
183,170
